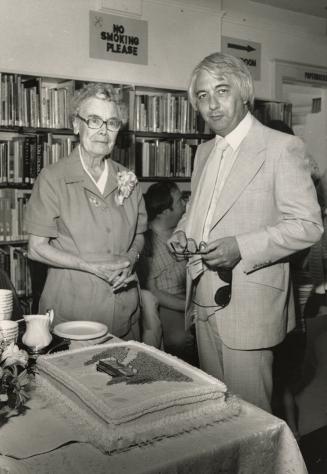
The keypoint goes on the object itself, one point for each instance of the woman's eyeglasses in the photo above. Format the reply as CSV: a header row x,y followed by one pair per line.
x,y
191,248
112,124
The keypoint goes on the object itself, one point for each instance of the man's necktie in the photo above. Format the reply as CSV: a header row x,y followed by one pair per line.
x,y
201,202
198,223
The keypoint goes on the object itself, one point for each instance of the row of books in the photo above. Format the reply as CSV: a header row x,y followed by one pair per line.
x,y
12,213
14,261
266,111
35,102
23,156
169,158
163,112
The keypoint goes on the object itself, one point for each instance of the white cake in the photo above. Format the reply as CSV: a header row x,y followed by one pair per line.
x,y
165,397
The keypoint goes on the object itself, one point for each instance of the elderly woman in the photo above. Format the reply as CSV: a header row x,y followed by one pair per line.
x,y
86,219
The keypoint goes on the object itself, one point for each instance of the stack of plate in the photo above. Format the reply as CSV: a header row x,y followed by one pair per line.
x,y
8,331
6,304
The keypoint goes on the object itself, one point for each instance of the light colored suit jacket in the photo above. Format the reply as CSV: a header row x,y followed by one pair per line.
x,y
269,203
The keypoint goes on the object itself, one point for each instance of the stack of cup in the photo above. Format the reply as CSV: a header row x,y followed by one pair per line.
x,y
8,333
6,304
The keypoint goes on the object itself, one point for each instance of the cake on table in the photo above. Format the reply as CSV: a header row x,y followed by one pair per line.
x,y
129,394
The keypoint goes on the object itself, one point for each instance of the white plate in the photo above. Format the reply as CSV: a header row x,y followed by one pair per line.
x,y
80,330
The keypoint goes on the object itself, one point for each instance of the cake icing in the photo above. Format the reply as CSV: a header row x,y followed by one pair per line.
x,y
163,397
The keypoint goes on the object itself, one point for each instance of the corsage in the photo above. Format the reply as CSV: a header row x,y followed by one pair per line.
x,y
126,181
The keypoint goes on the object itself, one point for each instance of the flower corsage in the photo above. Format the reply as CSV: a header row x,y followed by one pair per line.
x,y
126,181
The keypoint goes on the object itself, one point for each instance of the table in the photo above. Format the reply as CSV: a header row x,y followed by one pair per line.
x,y
254,442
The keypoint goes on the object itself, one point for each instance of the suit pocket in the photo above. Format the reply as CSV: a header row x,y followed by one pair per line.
x,y
273,276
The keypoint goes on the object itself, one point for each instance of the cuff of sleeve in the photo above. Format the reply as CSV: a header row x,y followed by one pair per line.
x,y
245,243
41,230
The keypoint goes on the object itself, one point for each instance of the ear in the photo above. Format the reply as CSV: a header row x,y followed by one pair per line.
x,y
165,212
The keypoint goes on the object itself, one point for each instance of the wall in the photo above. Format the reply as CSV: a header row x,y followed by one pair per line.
x,y
283,35
51,37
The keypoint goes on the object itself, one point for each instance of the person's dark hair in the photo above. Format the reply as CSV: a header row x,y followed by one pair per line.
x,y
280,126
159,197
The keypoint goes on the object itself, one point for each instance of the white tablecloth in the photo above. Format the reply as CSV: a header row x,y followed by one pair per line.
x,y
254,442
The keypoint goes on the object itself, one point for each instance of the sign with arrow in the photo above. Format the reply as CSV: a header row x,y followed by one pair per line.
x,y
248,51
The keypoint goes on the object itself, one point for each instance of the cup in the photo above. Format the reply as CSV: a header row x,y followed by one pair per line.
x,y
8,331
5,293
5,315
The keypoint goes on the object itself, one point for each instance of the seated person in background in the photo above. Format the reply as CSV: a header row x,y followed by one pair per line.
x,y
159,271
86,218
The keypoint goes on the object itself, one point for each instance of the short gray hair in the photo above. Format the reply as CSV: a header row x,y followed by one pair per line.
x,y
101,91
218,64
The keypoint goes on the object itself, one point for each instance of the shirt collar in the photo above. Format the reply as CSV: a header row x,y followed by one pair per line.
x,y
101,183
235,137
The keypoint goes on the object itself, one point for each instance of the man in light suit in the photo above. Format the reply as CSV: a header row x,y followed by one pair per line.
x,y
252,205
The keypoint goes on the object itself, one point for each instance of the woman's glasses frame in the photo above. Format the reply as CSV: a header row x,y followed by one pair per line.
x,y
95,123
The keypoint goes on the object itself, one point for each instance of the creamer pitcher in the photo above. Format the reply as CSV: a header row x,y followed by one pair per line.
x,y
37,335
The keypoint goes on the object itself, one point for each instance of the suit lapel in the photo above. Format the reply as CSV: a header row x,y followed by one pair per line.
x,y
204,153
250,158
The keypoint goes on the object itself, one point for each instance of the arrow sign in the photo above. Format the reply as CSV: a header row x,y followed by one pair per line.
x,y
247,48
248,51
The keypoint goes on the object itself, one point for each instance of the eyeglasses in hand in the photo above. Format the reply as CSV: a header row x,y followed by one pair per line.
x,y
191,248
112,124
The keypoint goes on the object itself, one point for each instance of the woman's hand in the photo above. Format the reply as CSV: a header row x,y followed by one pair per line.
x,y
111,271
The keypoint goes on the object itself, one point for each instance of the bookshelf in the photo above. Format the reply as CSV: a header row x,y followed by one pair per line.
x,y
159,142
266,110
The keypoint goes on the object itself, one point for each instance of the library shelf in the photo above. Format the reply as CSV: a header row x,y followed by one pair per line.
x,y
158,142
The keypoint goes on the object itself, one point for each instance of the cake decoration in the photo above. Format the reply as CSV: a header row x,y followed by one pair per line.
x,y
158,396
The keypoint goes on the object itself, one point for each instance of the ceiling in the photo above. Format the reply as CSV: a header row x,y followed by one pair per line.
x,y
310,7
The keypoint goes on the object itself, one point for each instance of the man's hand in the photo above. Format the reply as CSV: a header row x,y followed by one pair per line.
x,y
222,253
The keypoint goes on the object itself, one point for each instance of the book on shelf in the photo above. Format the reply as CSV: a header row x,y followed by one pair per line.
x,y
58,146
272,110
14,262
19,270
28,157
123,151
32,101
11,153
12,213
165,158
5,259
159,111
